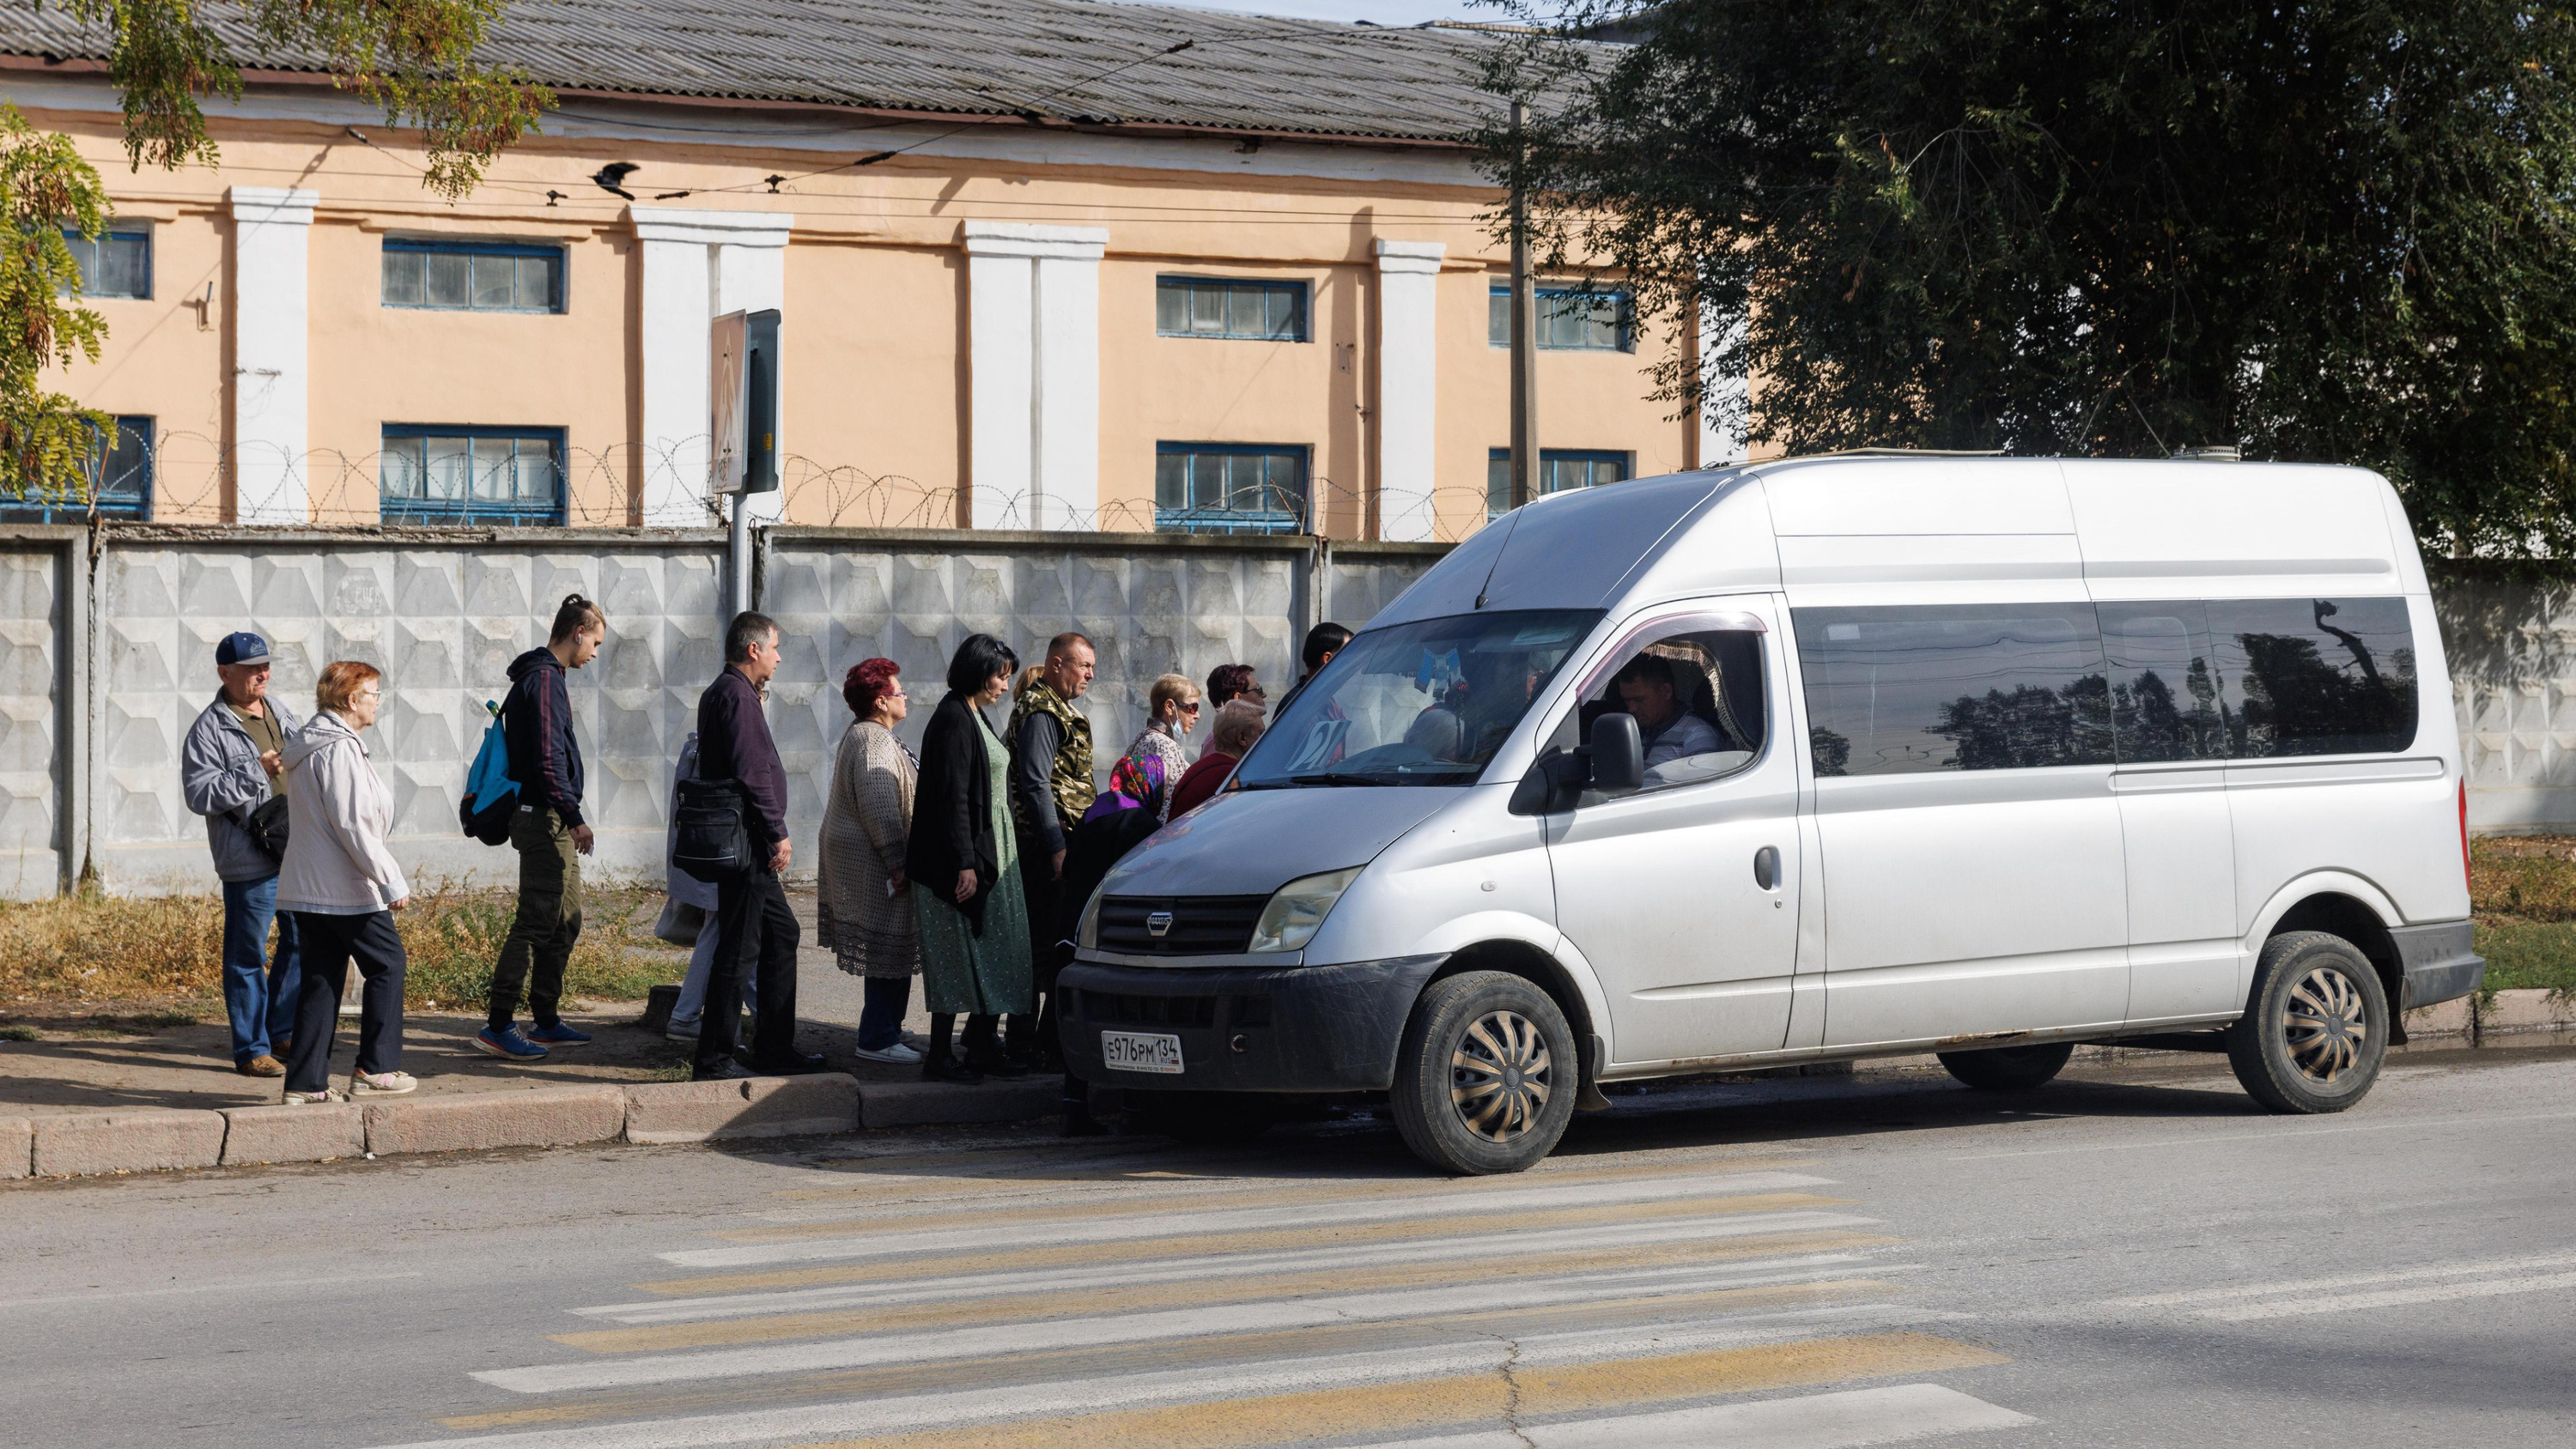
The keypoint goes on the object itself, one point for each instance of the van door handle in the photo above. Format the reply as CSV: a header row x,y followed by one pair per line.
x,y
1766,867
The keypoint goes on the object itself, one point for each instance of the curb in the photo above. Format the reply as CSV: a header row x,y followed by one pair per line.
x,y
643,1113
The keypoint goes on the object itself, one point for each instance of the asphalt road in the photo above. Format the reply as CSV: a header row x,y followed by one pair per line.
x,y
2133,1258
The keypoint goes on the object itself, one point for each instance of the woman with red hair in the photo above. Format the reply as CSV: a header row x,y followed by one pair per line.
x,y
865,914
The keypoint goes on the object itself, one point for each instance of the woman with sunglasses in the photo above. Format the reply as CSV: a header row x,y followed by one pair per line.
x,y
1172,707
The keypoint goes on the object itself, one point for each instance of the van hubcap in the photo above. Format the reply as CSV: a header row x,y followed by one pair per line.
x,y
1499,1076
2324,1024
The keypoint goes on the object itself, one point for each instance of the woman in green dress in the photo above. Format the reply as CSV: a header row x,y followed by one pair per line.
x,y
963,864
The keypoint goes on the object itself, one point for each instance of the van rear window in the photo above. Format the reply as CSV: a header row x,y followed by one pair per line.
x,y
1893,690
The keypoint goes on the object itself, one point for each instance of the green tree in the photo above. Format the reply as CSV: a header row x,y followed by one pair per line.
x,y
45,188
2330,231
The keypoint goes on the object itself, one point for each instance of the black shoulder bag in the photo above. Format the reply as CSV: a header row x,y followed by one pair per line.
x,y
714,842
267,826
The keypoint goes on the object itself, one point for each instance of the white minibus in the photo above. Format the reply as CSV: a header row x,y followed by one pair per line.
x,y
1813,761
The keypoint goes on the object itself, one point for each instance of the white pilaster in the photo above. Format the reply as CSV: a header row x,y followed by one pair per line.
x,y
698,265
271,379
1721,441
1033,314
1408,354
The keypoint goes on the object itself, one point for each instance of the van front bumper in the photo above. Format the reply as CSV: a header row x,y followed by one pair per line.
x,y
2437,963
1245,1029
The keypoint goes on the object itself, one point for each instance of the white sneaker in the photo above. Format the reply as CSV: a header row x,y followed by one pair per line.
x,y
901,1054
680,1030
299,1099
387,1084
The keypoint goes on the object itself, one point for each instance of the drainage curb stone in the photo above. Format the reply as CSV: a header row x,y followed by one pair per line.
x,y
17,1146
812,1106
316,1132
464,1122
929,1104
79,1144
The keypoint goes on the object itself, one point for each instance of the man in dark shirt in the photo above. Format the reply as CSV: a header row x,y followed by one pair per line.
x,y
755,929
1050,787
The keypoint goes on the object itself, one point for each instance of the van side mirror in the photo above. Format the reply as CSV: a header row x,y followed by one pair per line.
x,y
1618,755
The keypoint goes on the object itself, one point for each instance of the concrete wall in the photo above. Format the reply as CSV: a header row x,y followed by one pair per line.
x,y
443,613
2512,649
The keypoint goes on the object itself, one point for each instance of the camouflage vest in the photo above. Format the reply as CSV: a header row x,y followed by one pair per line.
x,y
1071,777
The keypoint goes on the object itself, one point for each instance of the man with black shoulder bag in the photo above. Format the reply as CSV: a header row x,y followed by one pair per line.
x,y
229,772
738,765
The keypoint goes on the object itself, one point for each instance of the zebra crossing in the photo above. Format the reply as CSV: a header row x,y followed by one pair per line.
x,y
1111,1294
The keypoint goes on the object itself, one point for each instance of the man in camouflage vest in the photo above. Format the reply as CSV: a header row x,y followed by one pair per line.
x,y
1050,788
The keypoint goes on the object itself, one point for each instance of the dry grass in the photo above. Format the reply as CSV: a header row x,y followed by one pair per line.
x,y
2523,891
97,951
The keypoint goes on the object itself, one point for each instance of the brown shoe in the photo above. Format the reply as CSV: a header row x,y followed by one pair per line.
x,y
262,1066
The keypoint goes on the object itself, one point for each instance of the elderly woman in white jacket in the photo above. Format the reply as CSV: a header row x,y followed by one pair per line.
x,y
341,882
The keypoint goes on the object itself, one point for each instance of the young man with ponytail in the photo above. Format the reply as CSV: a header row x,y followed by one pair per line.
x,y
549,834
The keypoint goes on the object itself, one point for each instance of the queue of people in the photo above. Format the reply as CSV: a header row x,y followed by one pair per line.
x,y
967,865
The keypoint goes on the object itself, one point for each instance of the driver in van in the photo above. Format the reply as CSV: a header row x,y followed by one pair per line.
x,y
1646,687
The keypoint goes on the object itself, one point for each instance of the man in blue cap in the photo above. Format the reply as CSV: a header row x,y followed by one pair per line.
x,y
229,767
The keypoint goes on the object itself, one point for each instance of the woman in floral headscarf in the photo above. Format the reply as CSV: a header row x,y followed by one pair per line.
x,y
1173,708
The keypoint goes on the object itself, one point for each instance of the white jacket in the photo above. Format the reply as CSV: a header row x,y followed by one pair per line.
x,y
337,816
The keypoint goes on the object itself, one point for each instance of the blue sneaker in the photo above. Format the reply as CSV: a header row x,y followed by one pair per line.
x,y
559,1034
509,1043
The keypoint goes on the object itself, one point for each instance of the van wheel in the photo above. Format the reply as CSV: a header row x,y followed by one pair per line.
x,y
1487,1075
2009,1069
2315,1028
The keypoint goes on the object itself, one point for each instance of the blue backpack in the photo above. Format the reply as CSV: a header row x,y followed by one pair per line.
x,y
490,794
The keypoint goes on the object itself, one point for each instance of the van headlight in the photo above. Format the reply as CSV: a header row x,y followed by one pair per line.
x,y
1298,910
1087,934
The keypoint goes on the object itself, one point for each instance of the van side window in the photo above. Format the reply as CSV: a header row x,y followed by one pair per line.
x,y
1893,691
2315,676
1698,702
2164,683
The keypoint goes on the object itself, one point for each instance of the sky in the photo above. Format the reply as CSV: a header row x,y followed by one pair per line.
x,y
1384,12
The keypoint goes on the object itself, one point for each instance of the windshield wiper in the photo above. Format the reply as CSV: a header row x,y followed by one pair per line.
x,y
1337,779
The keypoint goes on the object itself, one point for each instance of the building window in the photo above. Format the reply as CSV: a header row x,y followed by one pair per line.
x,y
1559,469
473,276
1569,319
120,480
435,474
117,264
1229,488
1215,307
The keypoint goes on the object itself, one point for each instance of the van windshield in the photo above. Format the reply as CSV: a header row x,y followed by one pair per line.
x,y
1416,704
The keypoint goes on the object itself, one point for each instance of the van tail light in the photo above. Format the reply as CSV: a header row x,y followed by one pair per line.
x,y
2465,874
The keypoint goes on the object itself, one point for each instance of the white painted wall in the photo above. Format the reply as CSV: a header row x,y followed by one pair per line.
x,y
271,378
1033,359
698,265
1408,341
1719,443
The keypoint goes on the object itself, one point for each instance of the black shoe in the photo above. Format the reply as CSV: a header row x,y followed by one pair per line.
x,y
725,1070
949,1069
794,1064
998,1067
1078,1122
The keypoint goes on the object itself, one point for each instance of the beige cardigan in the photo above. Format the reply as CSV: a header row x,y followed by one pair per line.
x,y
867,820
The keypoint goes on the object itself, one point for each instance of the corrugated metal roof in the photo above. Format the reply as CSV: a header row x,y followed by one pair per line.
x,y
1073,60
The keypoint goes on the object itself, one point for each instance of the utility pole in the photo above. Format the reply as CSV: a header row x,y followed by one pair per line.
x,y
1525,460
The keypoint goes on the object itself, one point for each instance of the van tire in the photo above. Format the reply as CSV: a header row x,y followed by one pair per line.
x,y
2315,1028
1476,1033
2009,1069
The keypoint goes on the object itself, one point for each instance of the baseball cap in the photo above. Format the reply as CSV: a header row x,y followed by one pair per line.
x,y
241,648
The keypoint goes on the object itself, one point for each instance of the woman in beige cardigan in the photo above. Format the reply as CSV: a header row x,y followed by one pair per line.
x,y
866,912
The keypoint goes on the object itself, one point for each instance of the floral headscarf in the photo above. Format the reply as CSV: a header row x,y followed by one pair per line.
x,y
1137,782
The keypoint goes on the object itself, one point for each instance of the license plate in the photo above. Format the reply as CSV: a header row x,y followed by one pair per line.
x,y
1128,1051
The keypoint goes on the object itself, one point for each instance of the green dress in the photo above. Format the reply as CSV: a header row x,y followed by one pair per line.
x,y
960,970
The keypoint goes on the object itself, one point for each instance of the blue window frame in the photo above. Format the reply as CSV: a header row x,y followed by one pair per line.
x,y
435,473
1230,487
1570,319
117,264
120,481
1559,469
1230,307
473,276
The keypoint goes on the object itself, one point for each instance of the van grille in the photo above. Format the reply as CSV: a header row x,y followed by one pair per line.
x,y
1200,925
1113,1008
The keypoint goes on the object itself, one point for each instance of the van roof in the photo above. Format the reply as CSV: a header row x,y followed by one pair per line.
x,y
1879,527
